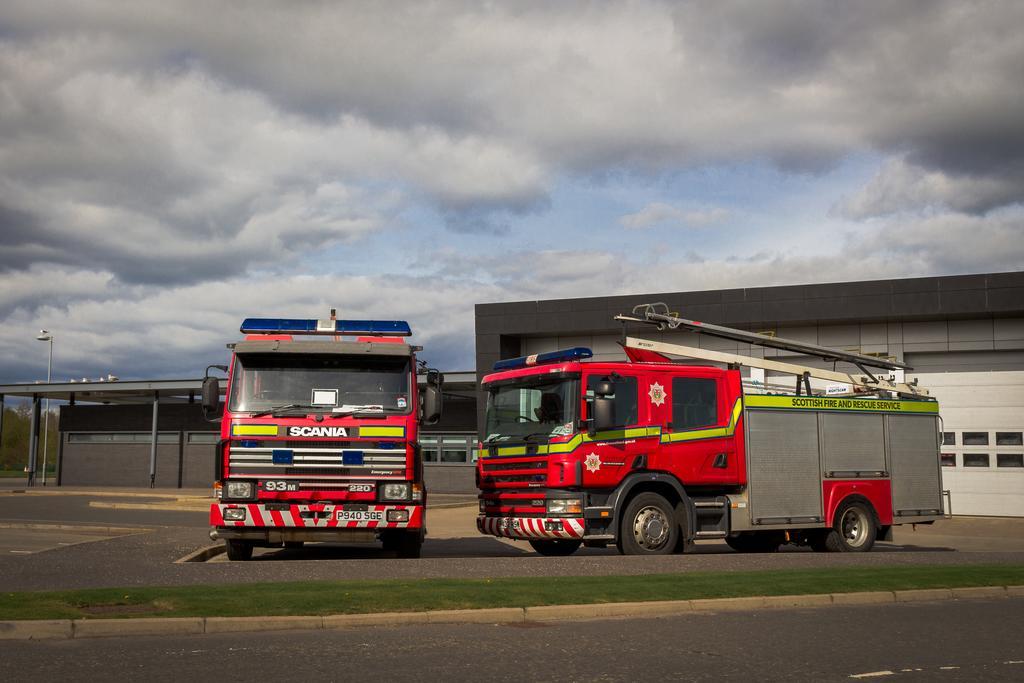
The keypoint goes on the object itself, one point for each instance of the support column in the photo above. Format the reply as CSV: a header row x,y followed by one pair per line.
x,y
181,456
153,444
60,456
33,441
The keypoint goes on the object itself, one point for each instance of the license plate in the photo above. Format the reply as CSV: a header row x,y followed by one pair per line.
x,y
507,523
359,516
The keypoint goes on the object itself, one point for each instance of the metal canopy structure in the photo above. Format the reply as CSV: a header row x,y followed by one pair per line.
x,y
119,392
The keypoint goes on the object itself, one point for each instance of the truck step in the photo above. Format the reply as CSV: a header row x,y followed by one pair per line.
x,y
718,503
710,534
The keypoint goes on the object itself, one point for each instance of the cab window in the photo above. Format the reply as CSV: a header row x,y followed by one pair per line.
x,y
625,396
694,402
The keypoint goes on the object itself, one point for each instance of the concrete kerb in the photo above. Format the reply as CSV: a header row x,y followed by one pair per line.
x,y
93,628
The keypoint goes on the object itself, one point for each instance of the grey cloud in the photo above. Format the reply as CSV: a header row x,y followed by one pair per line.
x,y
152,141
901,186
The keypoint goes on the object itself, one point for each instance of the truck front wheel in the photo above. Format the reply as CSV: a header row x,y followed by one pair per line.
x,y
555,548
648,526
238,551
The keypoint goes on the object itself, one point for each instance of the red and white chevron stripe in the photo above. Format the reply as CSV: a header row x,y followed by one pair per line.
x,y
530,527
257,515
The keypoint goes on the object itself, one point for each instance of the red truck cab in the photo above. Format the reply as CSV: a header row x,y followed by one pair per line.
x,y
319,437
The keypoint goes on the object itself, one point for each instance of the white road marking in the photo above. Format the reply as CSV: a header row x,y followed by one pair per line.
x,y
948,668
873,674
1015,661
22,552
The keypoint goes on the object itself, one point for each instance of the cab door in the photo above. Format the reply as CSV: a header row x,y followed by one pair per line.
x,y
608,456
698,429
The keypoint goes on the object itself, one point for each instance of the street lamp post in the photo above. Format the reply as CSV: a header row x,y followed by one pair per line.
x,y
44,335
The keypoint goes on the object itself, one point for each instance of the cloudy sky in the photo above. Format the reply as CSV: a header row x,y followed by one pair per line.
x,y
168,168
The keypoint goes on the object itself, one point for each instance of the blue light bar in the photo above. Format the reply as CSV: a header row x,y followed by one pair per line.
x,y
372,328
561,356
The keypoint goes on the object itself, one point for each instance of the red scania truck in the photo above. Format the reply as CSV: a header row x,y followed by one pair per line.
x,y
319,436
650,455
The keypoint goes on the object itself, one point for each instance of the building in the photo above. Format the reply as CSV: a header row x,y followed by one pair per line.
x,y
963,335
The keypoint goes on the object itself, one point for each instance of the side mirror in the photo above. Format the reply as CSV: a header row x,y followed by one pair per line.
x,y
433,398
211,398
602,416
433,402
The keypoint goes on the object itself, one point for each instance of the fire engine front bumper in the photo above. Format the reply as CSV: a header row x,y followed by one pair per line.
x,y
323,521
531,528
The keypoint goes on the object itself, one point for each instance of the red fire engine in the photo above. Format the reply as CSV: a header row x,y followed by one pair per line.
x,y
651,455
319,436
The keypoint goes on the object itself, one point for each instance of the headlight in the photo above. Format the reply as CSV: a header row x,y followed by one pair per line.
x,y
483,506
239,489
395,491
398,515
234,515
565,506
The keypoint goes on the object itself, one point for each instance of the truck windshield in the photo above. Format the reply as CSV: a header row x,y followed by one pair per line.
x,y
340,384
536,409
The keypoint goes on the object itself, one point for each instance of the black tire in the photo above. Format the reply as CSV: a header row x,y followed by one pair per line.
x,y
238,551
648,526
405,544
293,545
555,548
756,542
854,529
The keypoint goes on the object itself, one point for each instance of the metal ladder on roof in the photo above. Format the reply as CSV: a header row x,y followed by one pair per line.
x,y
659,315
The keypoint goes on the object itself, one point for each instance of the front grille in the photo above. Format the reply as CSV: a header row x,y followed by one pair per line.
x,y
317,464
513,472
498,467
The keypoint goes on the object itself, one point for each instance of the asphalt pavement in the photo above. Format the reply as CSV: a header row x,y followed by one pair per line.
x,y
962,640
453,549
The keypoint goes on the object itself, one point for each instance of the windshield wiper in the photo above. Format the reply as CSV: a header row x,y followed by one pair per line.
x,y
372,410
279,409
529,437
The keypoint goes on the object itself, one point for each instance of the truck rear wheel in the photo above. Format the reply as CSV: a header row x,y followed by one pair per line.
x,y
555,548
648,526
853,530
756,542
238,551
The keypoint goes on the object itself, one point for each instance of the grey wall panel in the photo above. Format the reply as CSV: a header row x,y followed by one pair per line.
x,y
449,478
197,465
783,464
914,459
118,465
852,442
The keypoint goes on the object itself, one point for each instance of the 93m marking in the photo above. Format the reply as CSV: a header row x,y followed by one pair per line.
x,y
279,486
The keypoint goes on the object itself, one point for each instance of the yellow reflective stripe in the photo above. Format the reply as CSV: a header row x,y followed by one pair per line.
x,y
632,433
575,442
382,431
254,430
826,403
567,447
712,433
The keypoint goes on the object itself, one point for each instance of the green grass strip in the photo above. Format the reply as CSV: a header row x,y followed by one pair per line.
x,y
349,597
